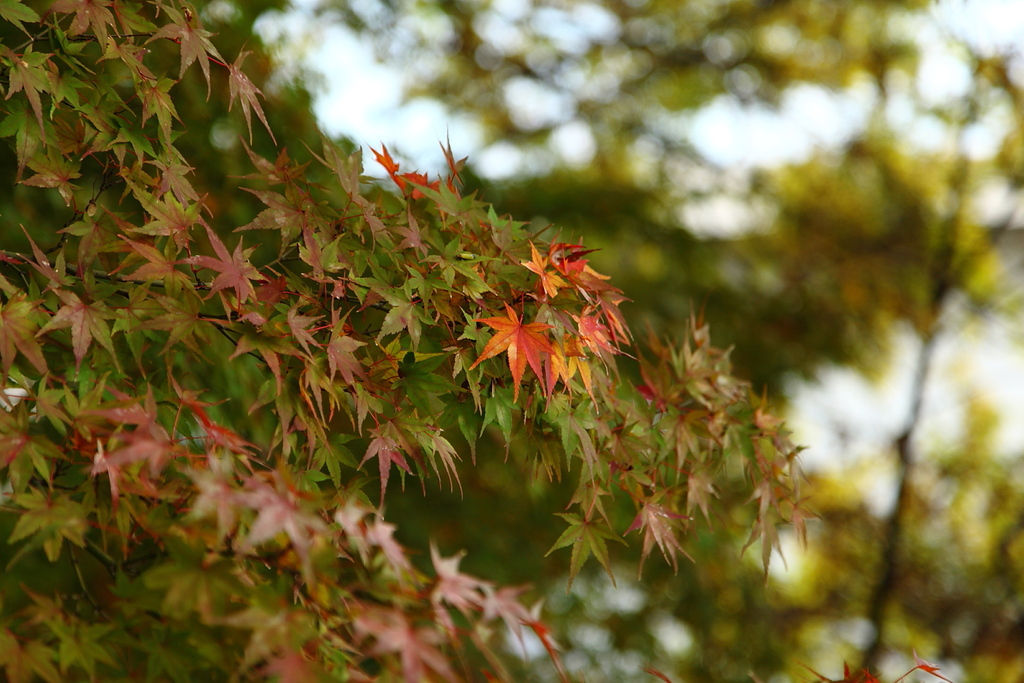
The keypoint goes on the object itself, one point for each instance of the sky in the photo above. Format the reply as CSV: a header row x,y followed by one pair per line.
x,y
365,103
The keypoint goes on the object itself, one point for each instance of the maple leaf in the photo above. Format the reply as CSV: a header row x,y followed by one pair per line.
x,y
444,450
657,523
699,490
86,322
543,633
215,495
17,334
88,13
403,179
341,357
390,165
101,463
504,603
387,451
55,274
381,534
568,258
171,218
156,99
172,179
524,343
587,537
149,441
394,633
298,324
159,267
459,590
594,333
55,172
235,269
194,41
245,92
15,12
28,74
420,179
927,667
549,282
277,513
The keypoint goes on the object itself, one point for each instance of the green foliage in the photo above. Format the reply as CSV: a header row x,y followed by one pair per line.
x,y
201,361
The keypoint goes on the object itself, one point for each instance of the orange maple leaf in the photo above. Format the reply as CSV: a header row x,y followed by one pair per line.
x,y
524,343
385,160
549,282
403,179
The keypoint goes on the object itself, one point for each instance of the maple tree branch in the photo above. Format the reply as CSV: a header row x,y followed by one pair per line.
x,y
84,585
945,276
894,532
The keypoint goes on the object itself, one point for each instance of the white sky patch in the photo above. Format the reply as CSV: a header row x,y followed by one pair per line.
x,y
672,635
574,143
361,98
533,105
989,26
730,133
844,416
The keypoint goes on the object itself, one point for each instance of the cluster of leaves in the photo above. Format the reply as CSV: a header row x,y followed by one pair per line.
x,y
190,415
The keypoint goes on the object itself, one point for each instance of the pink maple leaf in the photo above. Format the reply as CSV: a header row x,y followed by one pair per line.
x,y
216,495
234,268
194,41
242,89
504,603
417,646
657,523
88,14
86,321
381,534
387,451
341,357
279,512
461,591
298,324
100,464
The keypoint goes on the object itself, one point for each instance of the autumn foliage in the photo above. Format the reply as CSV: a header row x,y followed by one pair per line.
x,y
203,418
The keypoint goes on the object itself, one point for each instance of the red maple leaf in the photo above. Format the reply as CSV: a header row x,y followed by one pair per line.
x,y
927,667
341,357
524,343
568,258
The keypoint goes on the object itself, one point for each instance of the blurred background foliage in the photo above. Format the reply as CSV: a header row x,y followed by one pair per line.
x,y
882,225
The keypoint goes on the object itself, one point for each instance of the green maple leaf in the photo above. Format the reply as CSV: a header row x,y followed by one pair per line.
x,y
587,537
